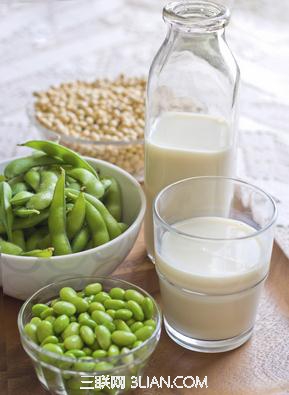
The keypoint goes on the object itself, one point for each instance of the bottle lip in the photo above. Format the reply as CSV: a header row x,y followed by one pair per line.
x,y
196,16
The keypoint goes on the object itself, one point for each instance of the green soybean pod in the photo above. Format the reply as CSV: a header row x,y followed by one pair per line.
x,y
9,248
45,242
132,294
31,331
92,184
35,238
103,337
58,151
113,201
6,213
123,338
117,293
136,309
76,217
21,198
24,212
60,324
148,308
18,187
80,240
32,178
144,333
87,335
97,226
44,329
111,223
44,195
63,307
18,238
30,221
22,165
57,219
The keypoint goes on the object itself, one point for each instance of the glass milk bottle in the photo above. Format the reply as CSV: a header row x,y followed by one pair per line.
x,y
191,101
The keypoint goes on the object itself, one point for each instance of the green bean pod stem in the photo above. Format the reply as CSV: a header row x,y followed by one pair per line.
x,y
113,200
9,248
92,184
6,213
47,253
58,151
22,165
97,226
57,219
44,195
76,217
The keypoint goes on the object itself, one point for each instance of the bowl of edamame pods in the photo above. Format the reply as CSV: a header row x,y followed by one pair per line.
x,y
63,215
96,327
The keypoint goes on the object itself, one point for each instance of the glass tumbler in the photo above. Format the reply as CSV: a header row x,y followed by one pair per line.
x,y
213,244
191,106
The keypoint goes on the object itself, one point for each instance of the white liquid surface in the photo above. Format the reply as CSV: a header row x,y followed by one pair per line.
x,y
216,269
183,145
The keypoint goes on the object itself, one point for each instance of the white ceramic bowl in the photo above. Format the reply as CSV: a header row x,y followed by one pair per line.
x,y
23,276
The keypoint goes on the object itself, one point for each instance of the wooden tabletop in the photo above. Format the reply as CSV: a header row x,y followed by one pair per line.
x,y
260,367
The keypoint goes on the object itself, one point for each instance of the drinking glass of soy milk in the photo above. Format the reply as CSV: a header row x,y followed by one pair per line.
x,y
191,101
213,244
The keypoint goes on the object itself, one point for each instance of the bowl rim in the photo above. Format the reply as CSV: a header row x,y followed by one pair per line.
x,y
58,136
37,348
130,229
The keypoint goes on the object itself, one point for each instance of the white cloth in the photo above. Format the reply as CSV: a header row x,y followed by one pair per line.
x,y
45,42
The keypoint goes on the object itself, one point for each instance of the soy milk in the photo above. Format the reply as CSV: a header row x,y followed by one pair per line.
x,y
183,145
220,277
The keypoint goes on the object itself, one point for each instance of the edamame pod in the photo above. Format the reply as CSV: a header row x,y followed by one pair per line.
x,y
9,248
18,238
35,238
113,200
58,151
57,219
92,184
44,195
24,212
32,178
22,165
97,226
6,213
18,187
75,217
80,241
21,198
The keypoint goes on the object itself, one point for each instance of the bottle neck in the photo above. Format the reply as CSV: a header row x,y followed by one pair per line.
x,y
196,17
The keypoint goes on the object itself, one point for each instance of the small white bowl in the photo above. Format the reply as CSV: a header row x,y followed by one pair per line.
x,y
23,276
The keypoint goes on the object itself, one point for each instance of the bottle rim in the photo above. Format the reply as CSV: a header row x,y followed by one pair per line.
x,y
196,15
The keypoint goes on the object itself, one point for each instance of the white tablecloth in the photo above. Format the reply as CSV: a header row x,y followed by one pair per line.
x,y
46,41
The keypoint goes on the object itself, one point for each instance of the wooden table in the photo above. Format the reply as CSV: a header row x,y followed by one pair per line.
x,y
260,367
